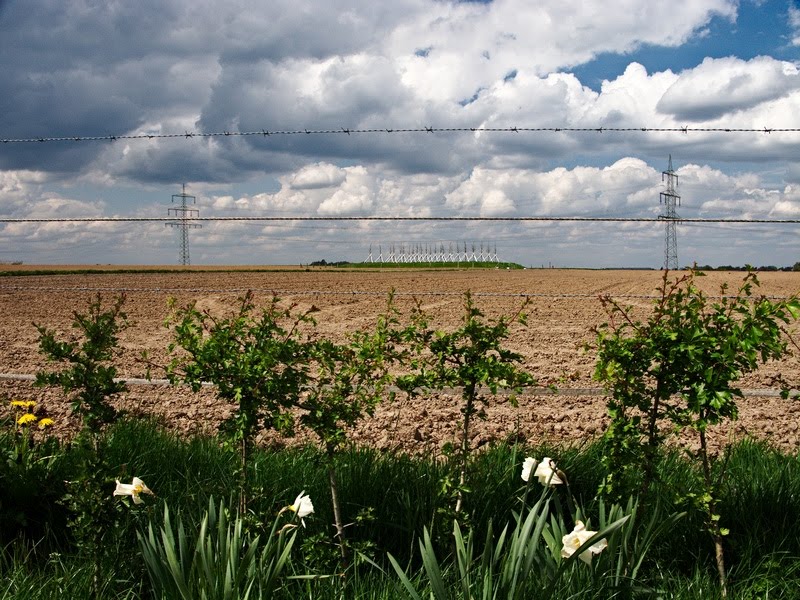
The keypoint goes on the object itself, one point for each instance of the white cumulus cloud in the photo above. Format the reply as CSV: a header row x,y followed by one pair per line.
x,y
721,86
794,23
320,175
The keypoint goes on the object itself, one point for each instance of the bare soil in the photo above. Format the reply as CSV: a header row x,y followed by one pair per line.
x,y
564,307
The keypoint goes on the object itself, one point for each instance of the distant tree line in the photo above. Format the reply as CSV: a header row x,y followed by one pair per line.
x,y
325,263
794,267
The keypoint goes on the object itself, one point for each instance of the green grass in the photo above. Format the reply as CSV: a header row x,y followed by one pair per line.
x,y
389,499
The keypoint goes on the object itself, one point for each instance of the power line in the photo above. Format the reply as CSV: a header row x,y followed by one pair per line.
x,y
389,130
388,218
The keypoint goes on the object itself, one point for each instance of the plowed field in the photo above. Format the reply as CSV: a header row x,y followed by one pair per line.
x,y
564,307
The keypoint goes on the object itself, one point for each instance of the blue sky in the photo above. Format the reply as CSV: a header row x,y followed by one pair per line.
x,y
760,29
76,68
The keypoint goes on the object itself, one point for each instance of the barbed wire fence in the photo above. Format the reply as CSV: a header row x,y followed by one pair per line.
x,y
389,130
424,130
322,292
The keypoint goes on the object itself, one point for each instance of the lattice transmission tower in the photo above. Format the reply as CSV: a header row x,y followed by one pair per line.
x,y
670,199
182,214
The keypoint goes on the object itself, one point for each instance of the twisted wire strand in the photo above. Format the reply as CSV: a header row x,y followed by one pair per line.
x,y
389,218
350,293
389,130
532,391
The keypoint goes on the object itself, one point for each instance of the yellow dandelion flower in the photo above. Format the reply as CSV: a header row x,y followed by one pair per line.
x,y
23,403
46,422
26,419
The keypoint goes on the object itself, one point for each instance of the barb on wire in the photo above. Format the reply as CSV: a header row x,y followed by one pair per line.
x,y
388,130
659,219
284,292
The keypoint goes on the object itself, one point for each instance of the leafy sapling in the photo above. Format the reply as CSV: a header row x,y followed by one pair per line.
x,y
88,377
678,371
472,358
348,383
258,361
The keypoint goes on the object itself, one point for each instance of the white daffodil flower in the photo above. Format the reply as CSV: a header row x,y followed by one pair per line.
x,y
547,474
573,541
302,506
132,489
527,467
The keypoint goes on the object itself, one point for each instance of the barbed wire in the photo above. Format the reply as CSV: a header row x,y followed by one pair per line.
x,y
531,391
350,293
390,130
389,218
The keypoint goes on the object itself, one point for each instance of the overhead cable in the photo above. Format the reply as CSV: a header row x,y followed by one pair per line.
x,y
389,218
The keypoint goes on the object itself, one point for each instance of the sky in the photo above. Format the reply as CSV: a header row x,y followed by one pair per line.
x,y
82,68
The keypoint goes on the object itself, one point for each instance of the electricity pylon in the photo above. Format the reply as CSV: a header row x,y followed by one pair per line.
x,y
182,214
670,199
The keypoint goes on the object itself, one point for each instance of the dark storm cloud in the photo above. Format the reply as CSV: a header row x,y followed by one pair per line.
x,y
87,68
285,29
76,69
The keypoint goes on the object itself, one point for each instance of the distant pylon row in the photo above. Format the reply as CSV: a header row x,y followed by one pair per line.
x,y
432,252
